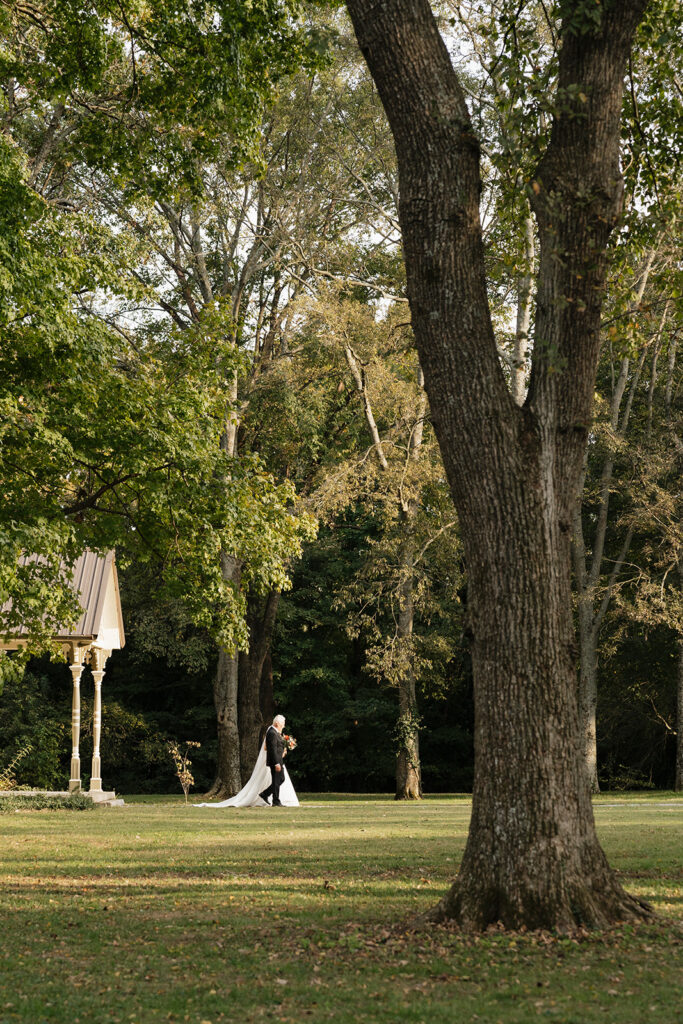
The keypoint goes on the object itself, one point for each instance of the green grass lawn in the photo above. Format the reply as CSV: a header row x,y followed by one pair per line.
x,y
160,912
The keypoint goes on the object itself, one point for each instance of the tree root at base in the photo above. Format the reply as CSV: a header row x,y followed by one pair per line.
x,y
585,912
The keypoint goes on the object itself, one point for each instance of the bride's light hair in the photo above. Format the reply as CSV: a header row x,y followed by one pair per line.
x,y
279,718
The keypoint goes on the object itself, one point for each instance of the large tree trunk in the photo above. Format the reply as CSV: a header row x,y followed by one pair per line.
x,y
250,720
228,780
532,857
261,621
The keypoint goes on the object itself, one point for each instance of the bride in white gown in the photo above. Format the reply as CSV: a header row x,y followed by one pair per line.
x,y
248,796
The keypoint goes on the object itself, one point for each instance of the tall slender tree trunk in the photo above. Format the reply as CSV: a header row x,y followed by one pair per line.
x,y
591,607
590,619
588,689
261,621
408,771
266,694
678,782
524,289
588,645
408,768
532,857
225,688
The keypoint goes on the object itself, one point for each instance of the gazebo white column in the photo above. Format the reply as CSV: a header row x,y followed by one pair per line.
x,y
97,663
77,657
98,632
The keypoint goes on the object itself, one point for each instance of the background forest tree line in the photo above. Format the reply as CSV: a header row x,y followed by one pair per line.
x,y
235,324
344,720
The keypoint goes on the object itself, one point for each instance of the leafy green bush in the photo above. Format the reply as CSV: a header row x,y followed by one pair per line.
x,y
33,715
624,777
134,753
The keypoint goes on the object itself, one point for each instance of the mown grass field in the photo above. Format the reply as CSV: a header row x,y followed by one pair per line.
x,y
161,912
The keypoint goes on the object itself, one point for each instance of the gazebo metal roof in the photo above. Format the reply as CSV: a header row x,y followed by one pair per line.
x,y
95,581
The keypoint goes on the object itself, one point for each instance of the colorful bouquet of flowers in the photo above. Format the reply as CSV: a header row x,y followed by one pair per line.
x,y
290,742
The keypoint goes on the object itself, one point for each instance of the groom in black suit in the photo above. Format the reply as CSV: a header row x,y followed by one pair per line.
x,y
275,753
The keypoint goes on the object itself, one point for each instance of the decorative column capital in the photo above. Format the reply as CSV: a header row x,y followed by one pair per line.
x,y
99,657
77,654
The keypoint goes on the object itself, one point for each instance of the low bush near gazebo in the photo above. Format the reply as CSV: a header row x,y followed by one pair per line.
x,y
13,802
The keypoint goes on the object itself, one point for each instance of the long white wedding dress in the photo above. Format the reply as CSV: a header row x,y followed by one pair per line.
x,y
260,779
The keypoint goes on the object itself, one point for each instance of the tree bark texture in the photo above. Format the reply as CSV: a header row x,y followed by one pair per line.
x,y
228,779
532,857
261,621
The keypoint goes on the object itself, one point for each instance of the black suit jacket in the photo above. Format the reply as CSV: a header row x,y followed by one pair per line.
x,y
275,747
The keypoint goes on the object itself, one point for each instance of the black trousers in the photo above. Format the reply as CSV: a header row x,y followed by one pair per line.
x,y
274,787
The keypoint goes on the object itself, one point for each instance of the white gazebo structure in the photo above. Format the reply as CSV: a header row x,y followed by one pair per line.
x,y
98,632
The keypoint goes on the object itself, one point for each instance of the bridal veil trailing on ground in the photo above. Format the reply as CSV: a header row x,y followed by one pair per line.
x,y
248,796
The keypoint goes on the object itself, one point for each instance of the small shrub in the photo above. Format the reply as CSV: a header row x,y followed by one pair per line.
x,y
7,779
39,802
623,777
182,764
